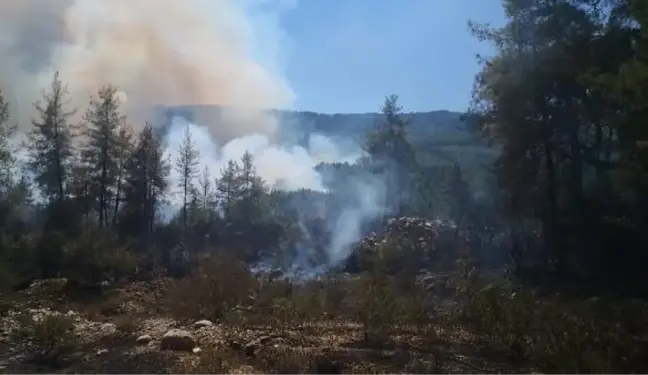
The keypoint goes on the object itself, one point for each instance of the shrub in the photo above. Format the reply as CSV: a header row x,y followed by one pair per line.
x,y
377,307
210,291
211,361
125,324
281,360
48,339
97,256
8,278
5,306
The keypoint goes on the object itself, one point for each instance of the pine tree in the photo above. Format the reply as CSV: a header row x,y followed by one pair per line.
x,y
206,190
13,192
7,152
187,167
146,181
251,190
392,156
51,148
101,154
123,150
228,188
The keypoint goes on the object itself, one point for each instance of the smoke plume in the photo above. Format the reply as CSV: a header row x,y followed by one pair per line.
x,y
157,52
282,166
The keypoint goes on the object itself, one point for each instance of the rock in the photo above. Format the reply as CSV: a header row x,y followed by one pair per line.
x,y
108,327
203,323
253,347
178,340
196,350
144,339
102,351
420,237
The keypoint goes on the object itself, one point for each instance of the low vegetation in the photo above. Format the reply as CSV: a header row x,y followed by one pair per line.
x,y
46,339
344,324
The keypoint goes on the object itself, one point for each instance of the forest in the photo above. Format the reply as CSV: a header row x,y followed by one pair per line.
x,y
528,255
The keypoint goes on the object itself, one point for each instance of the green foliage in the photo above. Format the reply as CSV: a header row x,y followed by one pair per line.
x,y
560,98
51,143
96,257
391,153
101,153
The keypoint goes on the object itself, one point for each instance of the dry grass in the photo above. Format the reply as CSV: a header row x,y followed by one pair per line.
x,y
46,340
373,323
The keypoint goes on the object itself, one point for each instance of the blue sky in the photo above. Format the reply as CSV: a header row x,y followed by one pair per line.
x,y
347,55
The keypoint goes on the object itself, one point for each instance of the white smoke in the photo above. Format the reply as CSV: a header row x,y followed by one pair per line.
x,y
347,228
282,167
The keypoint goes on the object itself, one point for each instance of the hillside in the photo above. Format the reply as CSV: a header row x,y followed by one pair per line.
x,y
439,136
354,125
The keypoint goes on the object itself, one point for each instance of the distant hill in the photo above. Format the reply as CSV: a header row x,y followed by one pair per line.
x,y
435,126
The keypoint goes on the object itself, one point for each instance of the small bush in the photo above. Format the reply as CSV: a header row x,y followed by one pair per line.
x,y
48,339
5,306
211,361
280,360
126,324
377,307
212,290
112,306
8,278
97,256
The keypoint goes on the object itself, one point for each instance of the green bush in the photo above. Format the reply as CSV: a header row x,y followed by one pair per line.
x,y
97,256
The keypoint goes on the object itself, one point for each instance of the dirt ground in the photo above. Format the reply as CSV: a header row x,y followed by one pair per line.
x,y
125,337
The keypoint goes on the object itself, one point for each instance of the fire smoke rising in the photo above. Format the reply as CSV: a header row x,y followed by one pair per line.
x,y
157,52
162,53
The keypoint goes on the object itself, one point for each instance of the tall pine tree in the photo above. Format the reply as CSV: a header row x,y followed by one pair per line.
x,y
50,142
187,167
101,154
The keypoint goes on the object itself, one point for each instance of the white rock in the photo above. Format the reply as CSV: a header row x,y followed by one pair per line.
x,y
196,350
144,339
177,339
203,323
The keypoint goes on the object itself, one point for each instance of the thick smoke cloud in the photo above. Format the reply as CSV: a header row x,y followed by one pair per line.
x,y
157,52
